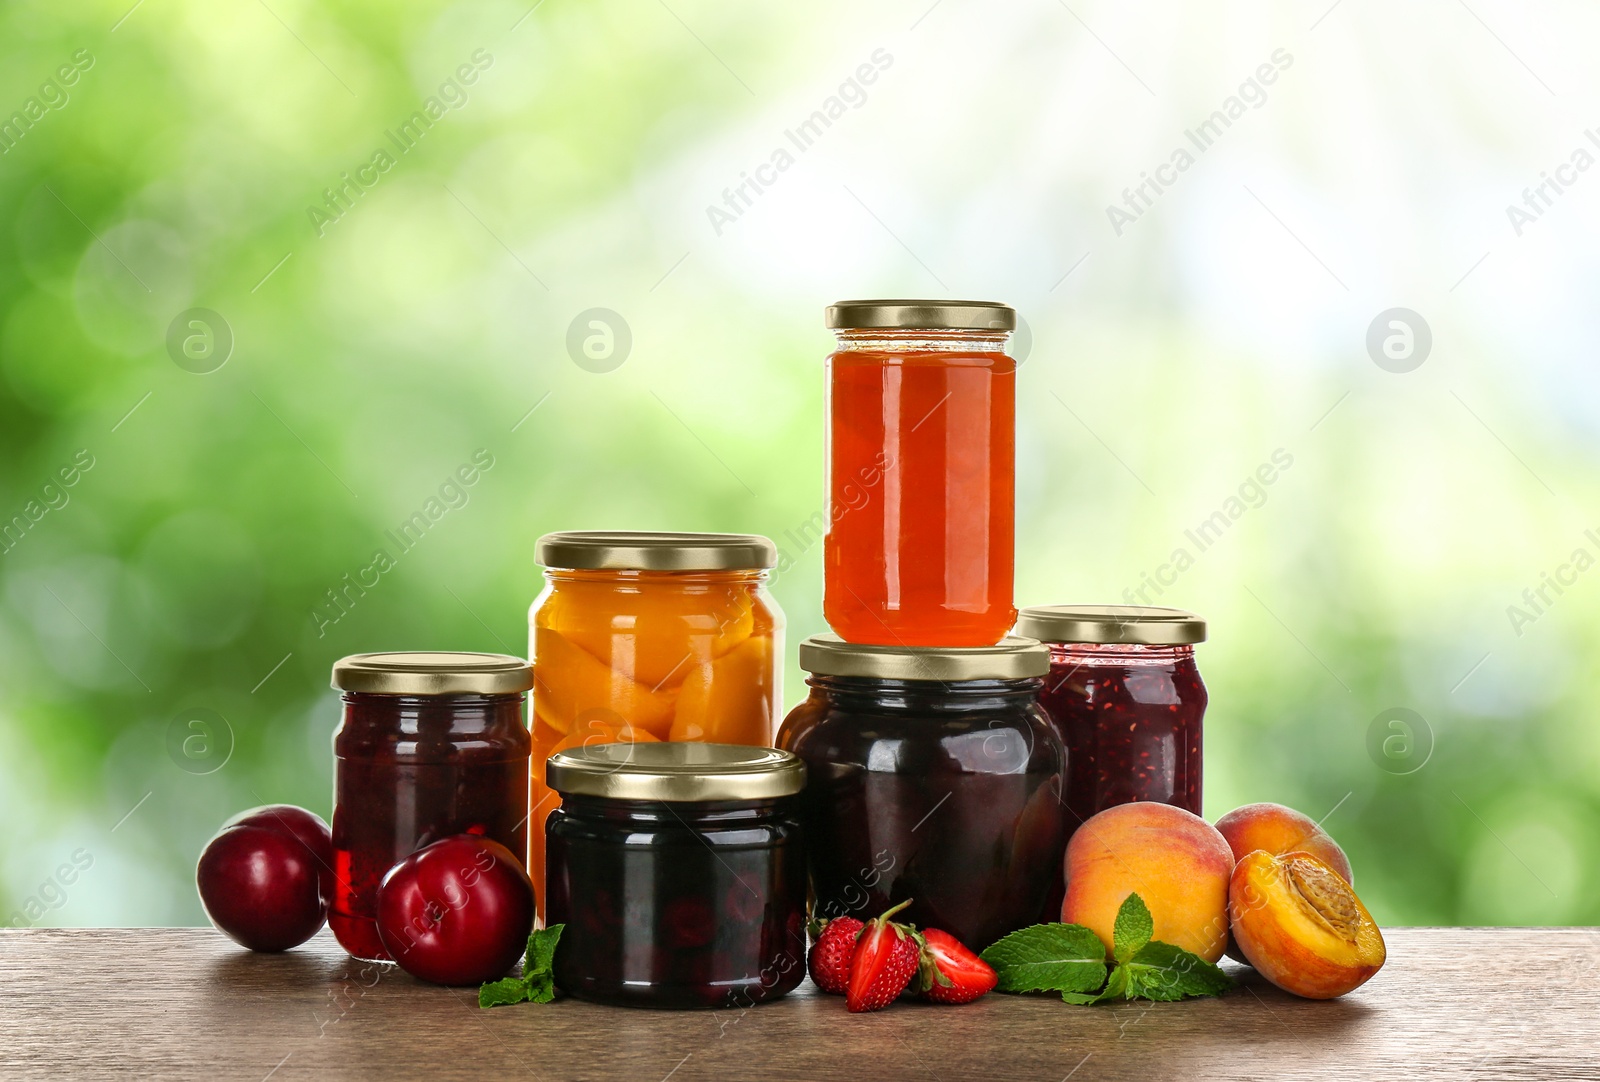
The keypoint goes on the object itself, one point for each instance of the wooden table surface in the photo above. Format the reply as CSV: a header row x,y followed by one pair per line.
x,y
1476,1003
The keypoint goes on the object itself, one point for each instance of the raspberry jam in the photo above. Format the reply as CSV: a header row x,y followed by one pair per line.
x,y
441,750
695,899
922,464
938,780
1126,696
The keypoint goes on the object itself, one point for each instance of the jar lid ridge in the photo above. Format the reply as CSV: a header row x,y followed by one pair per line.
x,y
1012,658
1148,625
432,672
676,772
642,550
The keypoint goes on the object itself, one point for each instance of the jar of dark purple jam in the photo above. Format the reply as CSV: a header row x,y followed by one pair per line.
x,y
1126,697
934,776
679,872
429,745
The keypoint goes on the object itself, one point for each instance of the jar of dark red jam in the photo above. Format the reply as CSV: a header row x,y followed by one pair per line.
x,y
679,872
430,745
921,472
1126,696
935,776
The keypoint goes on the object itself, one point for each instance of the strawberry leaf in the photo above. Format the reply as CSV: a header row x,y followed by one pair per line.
x,y
1133,929
1048,958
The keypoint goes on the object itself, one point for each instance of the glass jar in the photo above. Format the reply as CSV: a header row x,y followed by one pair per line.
x,y
679,872
934,775
640,637
1127,699
429,745
921,473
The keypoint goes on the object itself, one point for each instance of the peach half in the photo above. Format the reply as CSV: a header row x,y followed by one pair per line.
x,y
1281,830
1297,921
1174,860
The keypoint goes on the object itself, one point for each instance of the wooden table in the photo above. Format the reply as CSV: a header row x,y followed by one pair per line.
x,y
1474,1003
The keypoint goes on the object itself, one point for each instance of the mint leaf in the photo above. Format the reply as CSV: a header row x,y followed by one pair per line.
x,y
537,984
503,993
1048,958
1116,988
1133,928
1161,971
542,949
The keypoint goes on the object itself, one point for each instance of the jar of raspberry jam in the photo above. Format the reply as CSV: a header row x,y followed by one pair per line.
x,y
921,472
934,776
1126,696
429,745
679,872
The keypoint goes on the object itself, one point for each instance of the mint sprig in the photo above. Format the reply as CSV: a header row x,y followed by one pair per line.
x,y
537,983
1048,958
1071,959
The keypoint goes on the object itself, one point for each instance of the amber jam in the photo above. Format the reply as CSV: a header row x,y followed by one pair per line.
x,y
641,637
695,899
940,782
426,758
1126,696
921,464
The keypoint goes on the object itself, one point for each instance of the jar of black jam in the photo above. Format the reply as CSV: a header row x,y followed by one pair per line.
x,y
1127,699
934,776
679,872
430,745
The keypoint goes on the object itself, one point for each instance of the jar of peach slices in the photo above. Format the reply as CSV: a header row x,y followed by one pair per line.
x,y
650,636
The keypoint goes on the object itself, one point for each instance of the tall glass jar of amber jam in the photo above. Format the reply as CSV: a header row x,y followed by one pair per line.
x,y
921,473
430,744
1127,699
642,637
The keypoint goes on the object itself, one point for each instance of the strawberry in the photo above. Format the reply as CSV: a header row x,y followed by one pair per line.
x,y
887,957
833,945
949,972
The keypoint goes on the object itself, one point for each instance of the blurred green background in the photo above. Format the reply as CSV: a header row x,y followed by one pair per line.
x,y
167,156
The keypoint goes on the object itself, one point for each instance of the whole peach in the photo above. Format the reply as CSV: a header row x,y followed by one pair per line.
x,y
1174,860
1280,830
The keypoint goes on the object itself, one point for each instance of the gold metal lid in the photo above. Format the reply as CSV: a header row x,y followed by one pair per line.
x,y
1151,625
432,672
632,550
1013,658
921,315
676,772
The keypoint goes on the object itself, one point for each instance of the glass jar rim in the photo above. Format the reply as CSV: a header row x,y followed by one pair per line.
x,y
642,550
